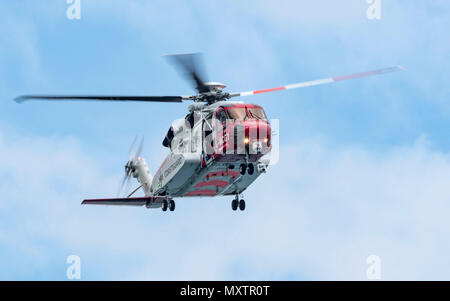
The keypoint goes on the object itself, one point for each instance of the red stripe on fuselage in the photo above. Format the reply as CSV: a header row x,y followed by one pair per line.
x,y
202,192
222,173
216,183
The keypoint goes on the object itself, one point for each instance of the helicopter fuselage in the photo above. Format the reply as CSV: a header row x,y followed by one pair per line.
x,y
218,150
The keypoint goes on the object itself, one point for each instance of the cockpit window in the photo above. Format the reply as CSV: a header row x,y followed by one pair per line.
x,y
237,114
168,139
257,113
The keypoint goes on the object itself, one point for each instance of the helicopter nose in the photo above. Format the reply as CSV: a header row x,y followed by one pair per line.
x,y
257,136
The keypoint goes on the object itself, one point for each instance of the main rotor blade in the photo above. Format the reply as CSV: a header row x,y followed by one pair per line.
x,y
190,65
321,81
23,98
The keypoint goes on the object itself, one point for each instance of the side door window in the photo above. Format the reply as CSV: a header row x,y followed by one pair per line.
x,y
222,116
220,124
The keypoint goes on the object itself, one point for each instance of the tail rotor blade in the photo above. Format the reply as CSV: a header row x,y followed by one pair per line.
x,y
139,150
132,152
122,183
127,185
129,166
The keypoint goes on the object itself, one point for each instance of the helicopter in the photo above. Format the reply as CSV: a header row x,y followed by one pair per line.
x,y
218,149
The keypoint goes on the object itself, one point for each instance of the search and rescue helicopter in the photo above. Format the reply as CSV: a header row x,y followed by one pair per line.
x,y
218,149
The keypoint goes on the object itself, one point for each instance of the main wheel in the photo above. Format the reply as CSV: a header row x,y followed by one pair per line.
x,y
164,205
242,205
234,204
171,205
242,168
250,169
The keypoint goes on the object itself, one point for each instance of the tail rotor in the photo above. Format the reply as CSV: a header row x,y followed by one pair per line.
x,y
130,166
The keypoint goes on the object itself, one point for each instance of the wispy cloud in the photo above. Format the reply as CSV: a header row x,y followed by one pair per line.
x,y
18,40
316,215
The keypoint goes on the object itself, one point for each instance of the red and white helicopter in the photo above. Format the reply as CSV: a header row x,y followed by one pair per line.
x,y
219,148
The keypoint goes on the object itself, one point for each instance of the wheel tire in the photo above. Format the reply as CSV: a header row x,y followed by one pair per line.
x,y
164,205
242,168
250,169
171,205
242,205
234,204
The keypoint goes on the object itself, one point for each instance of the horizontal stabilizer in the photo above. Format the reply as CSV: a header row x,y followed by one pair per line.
x,y
140,201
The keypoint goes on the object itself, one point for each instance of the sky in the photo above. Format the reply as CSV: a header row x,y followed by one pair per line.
x,y
364,165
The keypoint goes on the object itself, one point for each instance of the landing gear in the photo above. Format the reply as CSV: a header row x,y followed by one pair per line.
x,y
242,168
171,205
250,168
168,205
236,203
242,205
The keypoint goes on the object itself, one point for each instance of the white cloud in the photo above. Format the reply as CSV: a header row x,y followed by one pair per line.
x,y
316,215
20,49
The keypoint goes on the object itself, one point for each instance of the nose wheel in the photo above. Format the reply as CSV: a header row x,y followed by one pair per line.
x,y
168,205
238,203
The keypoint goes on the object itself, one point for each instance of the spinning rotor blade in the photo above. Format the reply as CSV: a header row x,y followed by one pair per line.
x,y
132,147
190,65
133,157
122,185
139,150
133,154
23,98
321,81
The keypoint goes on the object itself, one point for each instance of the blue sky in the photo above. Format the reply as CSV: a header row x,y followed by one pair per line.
x,y
364,166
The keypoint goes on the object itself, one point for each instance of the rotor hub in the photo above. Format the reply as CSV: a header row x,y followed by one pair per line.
x,y
215,86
